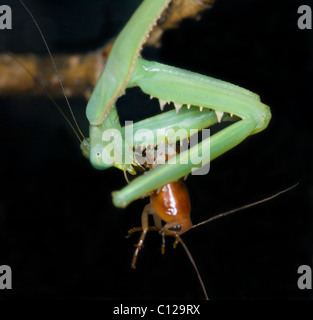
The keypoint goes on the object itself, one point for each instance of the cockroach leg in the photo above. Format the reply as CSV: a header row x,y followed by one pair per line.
x,y
148,209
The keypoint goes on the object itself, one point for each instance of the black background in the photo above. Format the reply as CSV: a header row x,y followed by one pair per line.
x,y
58,228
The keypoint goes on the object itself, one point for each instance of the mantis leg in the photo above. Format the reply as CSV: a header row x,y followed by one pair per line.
x,y
218,144
183,87
126,69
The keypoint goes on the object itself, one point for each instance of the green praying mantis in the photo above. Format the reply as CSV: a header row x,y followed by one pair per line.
x,y
200,102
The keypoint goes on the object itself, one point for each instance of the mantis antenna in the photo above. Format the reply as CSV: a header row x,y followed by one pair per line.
x,y
12,56
58,76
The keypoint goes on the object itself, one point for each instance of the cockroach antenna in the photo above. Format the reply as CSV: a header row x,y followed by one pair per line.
x,y
249,205
221,215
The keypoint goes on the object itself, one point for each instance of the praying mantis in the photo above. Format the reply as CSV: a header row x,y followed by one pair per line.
x,y
120,199
124,69
168,84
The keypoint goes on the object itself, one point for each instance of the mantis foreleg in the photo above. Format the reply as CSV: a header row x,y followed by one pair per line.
x,y
173,84
125,69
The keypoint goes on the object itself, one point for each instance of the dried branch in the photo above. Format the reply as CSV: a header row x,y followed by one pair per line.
x,y
32,74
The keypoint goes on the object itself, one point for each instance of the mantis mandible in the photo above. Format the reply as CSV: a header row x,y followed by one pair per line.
x,y
200,100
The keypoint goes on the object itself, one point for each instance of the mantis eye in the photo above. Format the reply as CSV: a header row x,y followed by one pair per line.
x,y
99,158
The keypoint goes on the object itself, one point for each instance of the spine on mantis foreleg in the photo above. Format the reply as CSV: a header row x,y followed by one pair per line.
x,y
122,59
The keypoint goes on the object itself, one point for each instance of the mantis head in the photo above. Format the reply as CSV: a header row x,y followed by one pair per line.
x,y
104,149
